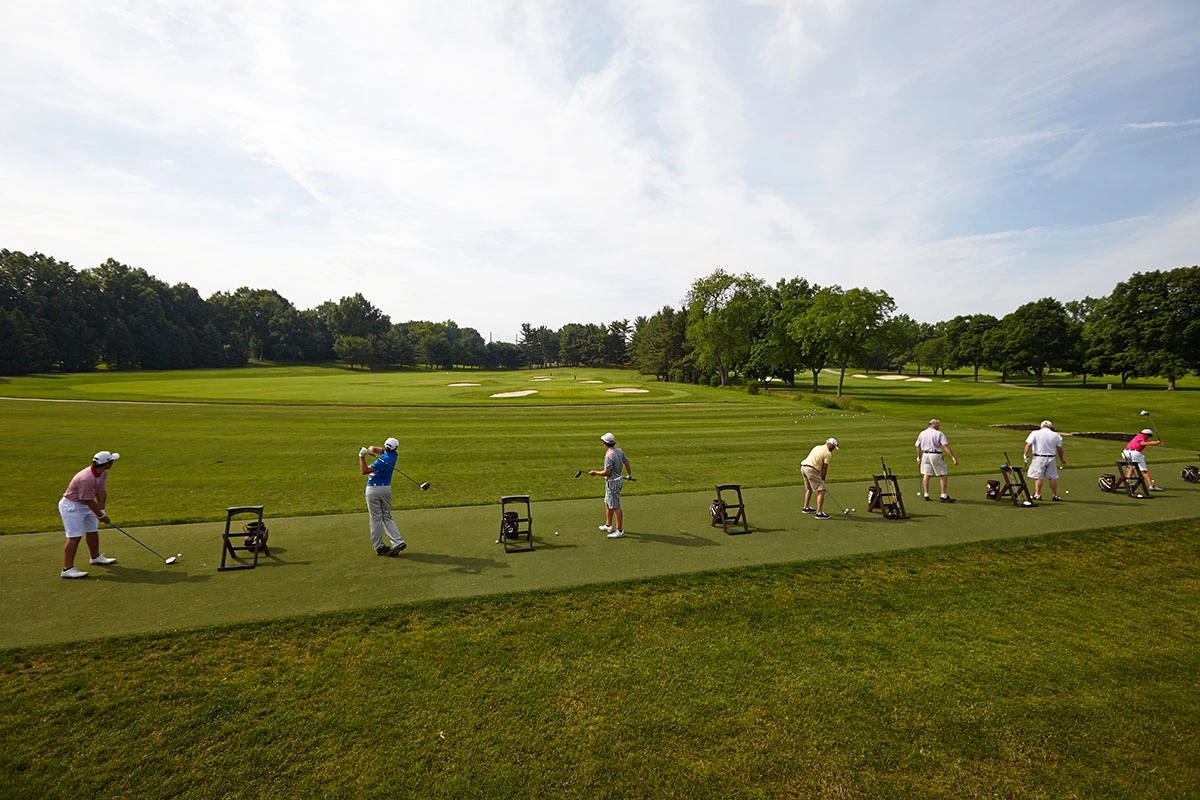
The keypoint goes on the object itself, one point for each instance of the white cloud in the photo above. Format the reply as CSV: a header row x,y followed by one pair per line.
x,y
512,162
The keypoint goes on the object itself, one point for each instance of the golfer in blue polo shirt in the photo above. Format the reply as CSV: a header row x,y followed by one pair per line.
x,y
379,496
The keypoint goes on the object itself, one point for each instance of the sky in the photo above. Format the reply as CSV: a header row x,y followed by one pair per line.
x,y
498,163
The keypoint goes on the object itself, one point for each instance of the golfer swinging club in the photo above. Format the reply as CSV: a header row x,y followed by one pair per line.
x,y
82,511
379,496
614,461
1133,454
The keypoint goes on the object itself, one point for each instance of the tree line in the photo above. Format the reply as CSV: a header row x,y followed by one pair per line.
x,y
738,325
729,328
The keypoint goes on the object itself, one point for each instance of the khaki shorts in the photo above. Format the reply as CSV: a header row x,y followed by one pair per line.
x,y
812,479
933,464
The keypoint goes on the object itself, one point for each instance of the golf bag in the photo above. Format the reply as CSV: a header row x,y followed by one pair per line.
x,y
1191,474
256,534
1106,482
717,512
872,496
993,490
509,526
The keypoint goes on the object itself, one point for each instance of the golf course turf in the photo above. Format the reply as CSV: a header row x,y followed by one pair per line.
x,y
973,650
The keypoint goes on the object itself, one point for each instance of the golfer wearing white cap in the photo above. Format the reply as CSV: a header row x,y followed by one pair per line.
x,y
814,468
82,510
1133,453
379,496
1046,444
614,461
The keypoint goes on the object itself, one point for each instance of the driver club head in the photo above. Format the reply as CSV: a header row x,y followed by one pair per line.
x,y
425,486
578,473
173,558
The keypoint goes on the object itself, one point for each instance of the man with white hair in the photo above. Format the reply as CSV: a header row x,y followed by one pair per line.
x,y
931,444
1046,444
379,496
82,510
814,468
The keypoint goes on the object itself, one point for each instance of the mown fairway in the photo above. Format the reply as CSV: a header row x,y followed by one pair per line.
x,y
1060,664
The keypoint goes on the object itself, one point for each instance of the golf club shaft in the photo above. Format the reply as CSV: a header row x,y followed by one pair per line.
x,y
418,483
139,541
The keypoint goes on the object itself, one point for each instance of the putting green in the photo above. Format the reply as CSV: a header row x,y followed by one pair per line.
x,y
321,564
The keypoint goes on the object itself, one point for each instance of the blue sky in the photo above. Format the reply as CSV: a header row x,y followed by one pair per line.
x,y
549,162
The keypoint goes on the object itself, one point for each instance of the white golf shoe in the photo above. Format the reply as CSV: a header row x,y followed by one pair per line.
x,y
102,560
74,573
616,534
606,528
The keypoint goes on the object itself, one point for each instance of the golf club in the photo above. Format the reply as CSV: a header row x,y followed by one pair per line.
x,y
580,472
1153,427
845,509
424,486
170,560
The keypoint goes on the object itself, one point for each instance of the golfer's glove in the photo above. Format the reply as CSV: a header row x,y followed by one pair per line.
x,y
362,452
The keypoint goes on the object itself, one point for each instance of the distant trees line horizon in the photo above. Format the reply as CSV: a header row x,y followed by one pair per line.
x,y
54,318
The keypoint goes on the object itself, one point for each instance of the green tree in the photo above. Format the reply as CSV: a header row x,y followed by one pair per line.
x,y
353,350
843,324
1034,338
724,312
966,341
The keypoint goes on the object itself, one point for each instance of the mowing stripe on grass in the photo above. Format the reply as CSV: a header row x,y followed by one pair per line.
x,y
323,564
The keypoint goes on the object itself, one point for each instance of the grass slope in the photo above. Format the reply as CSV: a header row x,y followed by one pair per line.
x,y
1062,666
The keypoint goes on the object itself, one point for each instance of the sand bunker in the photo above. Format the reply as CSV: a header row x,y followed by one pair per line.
x,y
858,376
591,381
462,384
521,393
920,380
629,390
542,378
891,377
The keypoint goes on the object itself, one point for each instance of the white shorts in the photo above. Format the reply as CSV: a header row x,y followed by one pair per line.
x,y
933,464
1043,467
1136,457
78,518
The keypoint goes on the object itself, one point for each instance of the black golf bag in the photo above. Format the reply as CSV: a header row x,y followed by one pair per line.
x,y
1106,482
993,490
1191,474
256,534
717,511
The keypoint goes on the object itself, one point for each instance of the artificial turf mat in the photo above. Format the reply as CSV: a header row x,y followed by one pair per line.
x,y
321,564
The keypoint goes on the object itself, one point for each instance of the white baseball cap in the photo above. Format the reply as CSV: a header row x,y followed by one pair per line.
x,y
1047,423
608,438
1147,431
105,457
391,444
935,422
831,441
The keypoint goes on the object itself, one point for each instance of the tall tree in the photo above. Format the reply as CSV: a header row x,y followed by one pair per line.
x,y
1034,338
845,323
966,341
723,312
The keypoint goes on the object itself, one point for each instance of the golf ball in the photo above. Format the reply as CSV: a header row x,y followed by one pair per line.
x,y
497,541
1068,491
556,533
854,509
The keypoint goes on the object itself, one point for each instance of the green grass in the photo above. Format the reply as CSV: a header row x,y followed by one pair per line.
x,y
1061,666
186,462
1034,660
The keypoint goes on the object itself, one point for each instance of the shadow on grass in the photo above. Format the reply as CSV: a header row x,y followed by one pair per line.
x,y
685,540
164,576
465,565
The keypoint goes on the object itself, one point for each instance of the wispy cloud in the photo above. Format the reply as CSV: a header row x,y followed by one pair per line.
x,y
551,162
